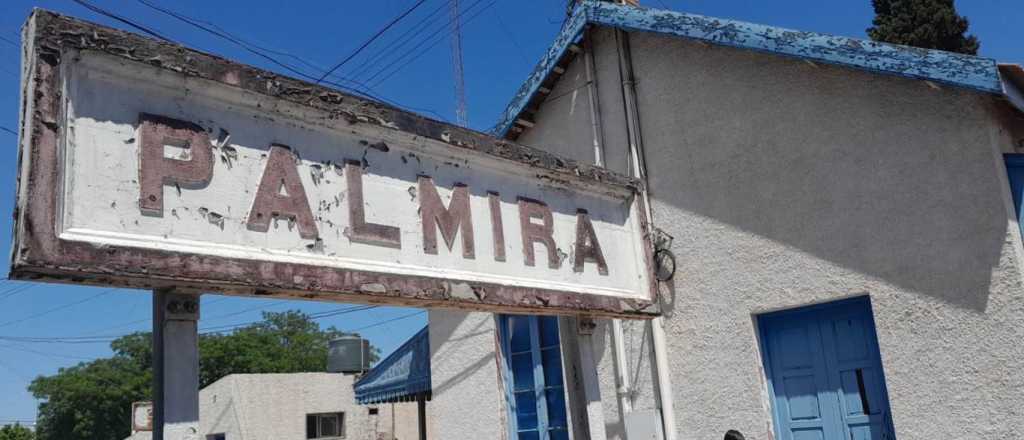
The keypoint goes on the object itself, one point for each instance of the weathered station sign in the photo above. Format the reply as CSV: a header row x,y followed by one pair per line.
x,y
146,164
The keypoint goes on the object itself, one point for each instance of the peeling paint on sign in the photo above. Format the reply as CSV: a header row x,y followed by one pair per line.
x,y
222,177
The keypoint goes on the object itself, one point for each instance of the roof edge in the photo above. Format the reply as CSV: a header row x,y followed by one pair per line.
x,y
954,69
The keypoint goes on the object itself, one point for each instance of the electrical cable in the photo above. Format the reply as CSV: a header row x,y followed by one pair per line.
x,y
252,49
387,321
8,130
9,41
15,290
392,47
56,309
205,330
121,19
446,26
371,40
435,43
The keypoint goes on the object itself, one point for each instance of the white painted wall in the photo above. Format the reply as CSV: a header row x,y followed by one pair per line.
x,y
786,184
467,390
274,407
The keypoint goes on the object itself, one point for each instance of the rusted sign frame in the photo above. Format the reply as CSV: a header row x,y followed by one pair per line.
x,y
40,254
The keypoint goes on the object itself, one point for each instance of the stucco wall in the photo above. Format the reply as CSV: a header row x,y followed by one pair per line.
x,y
274,406
786,184
467,392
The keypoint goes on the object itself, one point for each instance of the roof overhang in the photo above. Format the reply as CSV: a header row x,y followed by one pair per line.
x,y
958,70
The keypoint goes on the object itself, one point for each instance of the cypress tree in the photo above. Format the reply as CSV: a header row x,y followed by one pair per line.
x,y
931,24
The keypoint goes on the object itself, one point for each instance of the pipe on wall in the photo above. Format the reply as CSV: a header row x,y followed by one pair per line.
x,y
639,169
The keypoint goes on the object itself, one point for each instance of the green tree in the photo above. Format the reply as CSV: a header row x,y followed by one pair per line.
x,y
931,24
92,400
16,432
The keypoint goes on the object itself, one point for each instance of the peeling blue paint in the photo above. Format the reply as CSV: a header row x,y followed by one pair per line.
x,y
954,69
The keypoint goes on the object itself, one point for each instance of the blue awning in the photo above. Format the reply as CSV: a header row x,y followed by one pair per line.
x,y
401,377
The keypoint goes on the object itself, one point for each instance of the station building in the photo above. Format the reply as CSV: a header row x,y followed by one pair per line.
x,y
843,216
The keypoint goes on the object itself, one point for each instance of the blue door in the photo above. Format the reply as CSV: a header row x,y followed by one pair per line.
x,y
1015,171
533,373
825,373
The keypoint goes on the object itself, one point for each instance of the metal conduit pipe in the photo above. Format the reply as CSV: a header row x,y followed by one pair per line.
x,y
639,170
619,350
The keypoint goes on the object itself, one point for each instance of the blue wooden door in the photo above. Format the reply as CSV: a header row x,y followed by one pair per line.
x,y
1015,172
825,373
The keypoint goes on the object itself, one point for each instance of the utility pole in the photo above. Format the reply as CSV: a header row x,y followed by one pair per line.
x,y
460,86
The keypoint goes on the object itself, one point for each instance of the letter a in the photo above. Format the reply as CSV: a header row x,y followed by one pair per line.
x,y
281,194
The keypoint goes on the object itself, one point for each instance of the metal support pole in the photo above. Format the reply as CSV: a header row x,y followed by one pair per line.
x,y
421,406
175,365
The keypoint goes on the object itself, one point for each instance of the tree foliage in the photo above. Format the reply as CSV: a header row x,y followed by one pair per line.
x,y
16,432
92,400
931,24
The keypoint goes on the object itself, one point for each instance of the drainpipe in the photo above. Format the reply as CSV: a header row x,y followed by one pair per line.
x,y
619,349
595,107
639,168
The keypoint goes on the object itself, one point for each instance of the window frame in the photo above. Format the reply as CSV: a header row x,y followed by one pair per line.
x,y
339,416
541,388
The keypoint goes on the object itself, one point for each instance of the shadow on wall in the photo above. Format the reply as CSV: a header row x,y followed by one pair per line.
x,y
884,177
446,332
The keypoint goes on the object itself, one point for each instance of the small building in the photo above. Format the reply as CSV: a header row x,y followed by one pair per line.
x,y
295,406
843,221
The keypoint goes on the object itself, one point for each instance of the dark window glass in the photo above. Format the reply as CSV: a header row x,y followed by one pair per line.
x,y
311,426
552,360
522,372
520,328
548,331
526,410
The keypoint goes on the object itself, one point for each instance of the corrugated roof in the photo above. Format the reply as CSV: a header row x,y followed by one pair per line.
x,y
954,69
402,376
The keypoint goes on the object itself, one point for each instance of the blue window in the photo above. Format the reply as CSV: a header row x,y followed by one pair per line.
x,y
1015,171
533,377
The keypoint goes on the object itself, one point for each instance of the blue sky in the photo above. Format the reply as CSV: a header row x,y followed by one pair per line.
x,y
502,40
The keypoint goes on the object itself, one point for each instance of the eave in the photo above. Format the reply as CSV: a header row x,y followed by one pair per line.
x,y
953,69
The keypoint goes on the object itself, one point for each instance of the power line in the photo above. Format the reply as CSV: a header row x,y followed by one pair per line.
x,y
422,41
15,290
8,130
16,347
387,321
121,19
435,42
206,330
390,49
371,39
9,41
253,50
56,309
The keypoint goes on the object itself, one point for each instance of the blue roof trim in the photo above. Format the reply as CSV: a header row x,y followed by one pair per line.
x,y
933,65
571,32
402,376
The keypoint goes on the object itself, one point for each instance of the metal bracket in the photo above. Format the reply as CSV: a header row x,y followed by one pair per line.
x,y
585,325
181,307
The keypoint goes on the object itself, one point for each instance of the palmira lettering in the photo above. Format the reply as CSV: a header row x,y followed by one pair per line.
x,y
281,196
